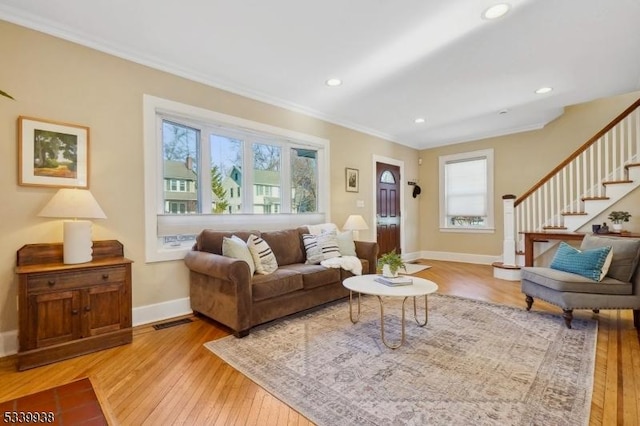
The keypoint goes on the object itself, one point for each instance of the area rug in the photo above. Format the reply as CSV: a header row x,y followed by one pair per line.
x,y
473,363
412,268
70,404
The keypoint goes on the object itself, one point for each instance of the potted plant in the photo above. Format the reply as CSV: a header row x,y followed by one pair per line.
x,y
617,217
390,263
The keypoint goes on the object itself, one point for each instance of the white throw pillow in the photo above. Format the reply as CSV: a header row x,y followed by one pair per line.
x,y
345,244
236,248
263,257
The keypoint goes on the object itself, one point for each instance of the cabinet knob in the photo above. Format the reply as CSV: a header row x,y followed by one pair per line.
x,y
51,282
74,311
105,276
87,308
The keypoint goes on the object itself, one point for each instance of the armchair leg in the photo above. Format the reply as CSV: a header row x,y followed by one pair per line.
x,y
568,317
636,318
529,301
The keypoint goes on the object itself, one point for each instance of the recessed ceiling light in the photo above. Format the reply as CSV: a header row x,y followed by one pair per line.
x,y
543,90
496,11
419,120
333,82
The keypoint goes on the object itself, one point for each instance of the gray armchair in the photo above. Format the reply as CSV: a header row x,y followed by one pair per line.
x,y
620,288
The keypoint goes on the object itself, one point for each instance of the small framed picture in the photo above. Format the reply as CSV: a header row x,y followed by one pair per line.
x,y
52,154
352,180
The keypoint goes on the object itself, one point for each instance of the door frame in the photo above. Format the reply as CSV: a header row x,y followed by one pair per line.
x,y
393,162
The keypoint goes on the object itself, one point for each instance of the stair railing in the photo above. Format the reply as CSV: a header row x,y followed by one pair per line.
x,y
582,176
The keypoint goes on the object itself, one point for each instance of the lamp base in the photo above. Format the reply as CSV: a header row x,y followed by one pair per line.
x,y
77,243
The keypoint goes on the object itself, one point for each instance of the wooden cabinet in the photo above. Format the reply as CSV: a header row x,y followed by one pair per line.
x,y
70,310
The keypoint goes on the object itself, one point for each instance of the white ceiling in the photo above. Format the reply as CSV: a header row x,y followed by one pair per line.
x,y
399,60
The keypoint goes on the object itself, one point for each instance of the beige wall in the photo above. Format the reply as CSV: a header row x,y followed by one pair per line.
x,y
521,160
57,80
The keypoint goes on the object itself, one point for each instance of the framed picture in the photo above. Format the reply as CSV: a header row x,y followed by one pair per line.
x,y
352,180
52,154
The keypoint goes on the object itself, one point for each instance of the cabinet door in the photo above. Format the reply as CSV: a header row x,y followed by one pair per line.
x,y
54,318
103,309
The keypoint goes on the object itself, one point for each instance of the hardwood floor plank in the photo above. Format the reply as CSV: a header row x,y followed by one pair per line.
x,y
167,376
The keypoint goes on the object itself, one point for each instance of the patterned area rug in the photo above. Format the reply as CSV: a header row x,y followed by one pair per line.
x,y
473,363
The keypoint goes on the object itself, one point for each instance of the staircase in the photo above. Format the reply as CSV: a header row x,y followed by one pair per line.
x,y
588,182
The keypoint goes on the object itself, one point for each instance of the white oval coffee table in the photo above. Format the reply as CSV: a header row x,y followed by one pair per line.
x,y
367,284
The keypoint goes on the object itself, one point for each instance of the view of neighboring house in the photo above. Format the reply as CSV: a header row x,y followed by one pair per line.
x,y
266,191
180,195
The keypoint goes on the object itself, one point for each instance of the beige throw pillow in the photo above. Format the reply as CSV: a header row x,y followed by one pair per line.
x,y
236,248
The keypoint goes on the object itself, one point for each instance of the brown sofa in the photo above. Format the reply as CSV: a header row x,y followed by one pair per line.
x,y
222,288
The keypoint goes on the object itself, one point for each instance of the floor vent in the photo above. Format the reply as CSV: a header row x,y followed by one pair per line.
x,y
172,323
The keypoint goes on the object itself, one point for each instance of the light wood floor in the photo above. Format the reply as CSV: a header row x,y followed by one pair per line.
x,y
167,376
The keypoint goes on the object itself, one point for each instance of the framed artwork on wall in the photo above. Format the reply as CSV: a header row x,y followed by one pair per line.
x,y
352,180
52,154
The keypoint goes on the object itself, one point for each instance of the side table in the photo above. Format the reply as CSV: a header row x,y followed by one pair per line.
x,y
70,310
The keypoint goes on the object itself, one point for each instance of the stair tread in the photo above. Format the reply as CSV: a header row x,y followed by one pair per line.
x,y
594,198
614,182
574,213
503,266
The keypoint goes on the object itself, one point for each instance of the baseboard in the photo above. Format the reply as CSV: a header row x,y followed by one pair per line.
x,y
161,311
481,259
410,257
8,343
141,315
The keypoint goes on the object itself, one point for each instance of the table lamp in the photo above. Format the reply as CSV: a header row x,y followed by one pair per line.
x,y
75,204
355,223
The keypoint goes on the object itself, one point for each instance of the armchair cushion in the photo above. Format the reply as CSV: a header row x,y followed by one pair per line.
x,y
626,252
568,282
591,263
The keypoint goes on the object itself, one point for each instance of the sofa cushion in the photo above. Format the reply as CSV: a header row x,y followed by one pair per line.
x,y
592,263
626,252
314,275
262,255
236,248
211,241
569,282
286,246
280,282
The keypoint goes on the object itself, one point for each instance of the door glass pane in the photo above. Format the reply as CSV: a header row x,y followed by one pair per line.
x,y
387,177
180,168
266,178
226,174
304,180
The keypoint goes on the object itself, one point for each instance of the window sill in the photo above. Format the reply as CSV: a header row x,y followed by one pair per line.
x,y
469,230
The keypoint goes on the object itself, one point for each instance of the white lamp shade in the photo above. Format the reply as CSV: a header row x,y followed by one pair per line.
x,y
355,222
73,204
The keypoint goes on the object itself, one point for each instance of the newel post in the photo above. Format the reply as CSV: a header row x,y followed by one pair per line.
x,y
509,243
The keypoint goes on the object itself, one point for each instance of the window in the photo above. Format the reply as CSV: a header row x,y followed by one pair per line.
x,y
466,191
209,170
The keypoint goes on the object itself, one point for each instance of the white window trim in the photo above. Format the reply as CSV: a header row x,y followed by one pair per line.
x,y
153,196
444,159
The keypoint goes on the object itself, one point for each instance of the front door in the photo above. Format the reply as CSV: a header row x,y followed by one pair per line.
x,y
388,207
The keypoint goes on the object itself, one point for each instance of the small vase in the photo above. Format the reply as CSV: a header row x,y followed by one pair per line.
x,y
617,227
386,272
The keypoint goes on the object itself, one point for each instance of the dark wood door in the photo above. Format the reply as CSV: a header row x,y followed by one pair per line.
x,y
388,207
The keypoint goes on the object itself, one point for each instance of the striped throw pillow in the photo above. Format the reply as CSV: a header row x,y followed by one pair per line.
x,y
328,242
588,263
263,257
313,249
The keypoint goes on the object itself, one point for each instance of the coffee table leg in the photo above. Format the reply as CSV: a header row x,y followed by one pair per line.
x,y
426,313
382,325
351,307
